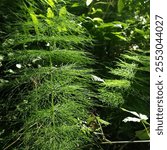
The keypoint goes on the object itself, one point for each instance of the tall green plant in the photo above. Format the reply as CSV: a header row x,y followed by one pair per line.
x,y
47,90
50,99
121,47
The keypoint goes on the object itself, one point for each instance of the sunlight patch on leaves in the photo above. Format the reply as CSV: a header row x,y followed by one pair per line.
x,y
139,117
88,2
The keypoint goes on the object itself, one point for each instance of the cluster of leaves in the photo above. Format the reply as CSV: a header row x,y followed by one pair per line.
x,y
121,48
51,97
45,82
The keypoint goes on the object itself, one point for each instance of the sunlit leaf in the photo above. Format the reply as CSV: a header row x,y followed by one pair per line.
x,y
10,71
48,44
102,121
131,119
63,11
85,129
139,116
118,25
35,21
91,119
123,24
88,2
51,2
97,19
105,25
121,37
75,5
36,59
1,57
143,117
139,31
50,13
132,112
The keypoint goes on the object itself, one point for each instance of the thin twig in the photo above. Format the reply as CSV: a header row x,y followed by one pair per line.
x,y
12,143
124,142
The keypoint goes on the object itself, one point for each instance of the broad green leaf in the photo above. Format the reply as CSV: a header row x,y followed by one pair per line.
x,y
97,19
142,134
98,10
121,37
90,119
102,121
105,25
143,117
35,21
120,5
139,115
125,25
88,2
131,119
140,31
51,3
132,112
75,5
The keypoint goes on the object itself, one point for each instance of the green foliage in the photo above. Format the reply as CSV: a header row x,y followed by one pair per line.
x,y
88,2
50,54
41,58
142,134
120,5
47,89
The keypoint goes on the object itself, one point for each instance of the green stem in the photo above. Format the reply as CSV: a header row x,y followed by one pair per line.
x,y
145,128
124,142
52,97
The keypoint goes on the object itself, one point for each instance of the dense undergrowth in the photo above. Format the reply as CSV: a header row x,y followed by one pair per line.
x,y
71,72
